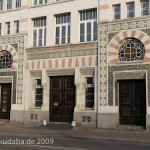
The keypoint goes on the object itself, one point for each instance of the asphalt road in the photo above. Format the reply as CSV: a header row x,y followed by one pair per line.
x,y
9,141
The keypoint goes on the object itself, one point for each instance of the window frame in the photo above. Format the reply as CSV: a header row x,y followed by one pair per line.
x,y
39,2
117,13
38,92
17,26
9,4
83,25
87,93
145,9
1,5
63,20
7,24
134,54
18,3
38,39
5,63
132,11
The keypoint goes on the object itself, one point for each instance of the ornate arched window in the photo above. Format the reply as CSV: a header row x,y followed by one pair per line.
x,y
131,50
6,59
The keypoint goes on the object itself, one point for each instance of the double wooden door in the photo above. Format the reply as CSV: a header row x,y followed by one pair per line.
x,y
5,101
62,98
132,101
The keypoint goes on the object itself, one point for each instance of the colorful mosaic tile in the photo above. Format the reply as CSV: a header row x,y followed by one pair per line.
x,y
106,35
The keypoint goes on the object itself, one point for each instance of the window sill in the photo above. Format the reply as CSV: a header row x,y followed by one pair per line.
x,y
5,70
89,109
129,62
34,107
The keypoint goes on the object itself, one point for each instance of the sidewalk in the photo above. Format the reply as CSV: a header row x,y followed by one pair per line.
x,y
142,136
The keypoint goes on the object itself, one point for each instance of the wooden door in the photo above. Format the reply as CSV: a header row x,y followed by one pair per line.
x,y
132,102
62,98
5,101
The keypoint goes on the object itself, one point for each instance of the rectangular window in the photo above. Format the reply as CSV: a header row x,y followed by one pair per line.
x,y
89,97
88,25
7,27
18,3
130,10
144,7
1,5
39,32
63,29
9,4
38,93
117,11
17,26
38,2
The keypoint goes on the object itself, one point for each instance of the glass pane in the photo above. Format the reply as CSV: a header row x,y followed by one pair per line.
x,y
34,37
44,37
68,33
89,31
57,31
40,37
95,31
82,32
63,34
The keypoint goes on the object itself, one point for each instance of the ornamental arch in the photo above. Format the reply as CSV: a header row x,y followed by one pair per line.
x,y
10,53
115,44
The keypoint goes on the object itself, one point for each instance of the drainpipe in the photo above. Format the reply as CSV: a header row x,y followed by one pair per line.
x,y
98,65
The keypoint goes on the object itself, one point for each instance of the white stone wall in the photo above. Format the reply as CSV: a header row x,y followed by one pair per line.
x,y
106,11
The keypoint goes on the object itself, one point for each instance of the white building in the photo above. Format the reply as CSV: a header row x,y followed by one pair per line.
x,y
49,61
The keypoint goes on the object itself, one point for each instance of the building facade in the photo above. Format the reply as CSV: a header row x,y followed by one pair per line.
x,y
85,63
125,63
49,61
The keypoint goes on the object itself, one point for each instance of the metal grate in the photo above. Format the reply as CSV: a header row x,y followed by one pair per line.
x,y
89,93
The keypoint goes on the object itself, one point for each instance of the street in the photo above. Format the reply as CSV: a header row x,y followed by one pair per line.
x,y
11,141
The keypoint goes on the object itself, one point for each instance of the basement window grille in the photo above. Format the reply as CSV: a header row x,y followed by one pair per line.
x,y
38,93
89,97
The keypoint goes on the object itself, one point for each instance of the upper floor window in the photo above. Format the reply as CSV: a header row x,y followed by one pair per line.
x,y
144,7
88,25
130,9
18,3
7,27
63,28
6,59
37,2
117,11
131,50
16,26
9,4
1,4
39,31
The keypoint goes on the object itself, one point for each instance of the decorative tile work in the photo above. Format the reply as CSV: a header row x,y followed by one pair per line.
x,y
130,75
36,73
73,50
105,30
111,35
87,71
18,83
122,73
60,72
